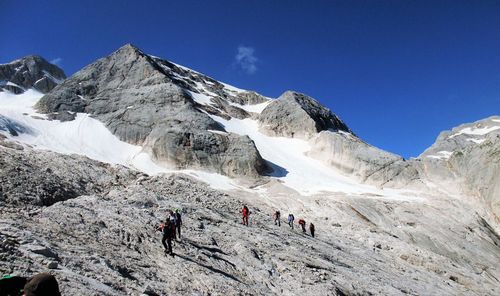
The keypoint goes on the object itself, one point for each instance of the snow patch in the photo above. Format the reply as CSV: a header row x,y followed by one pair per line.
x,y
443,155
257,108
477,141
200,98
232,88
481,131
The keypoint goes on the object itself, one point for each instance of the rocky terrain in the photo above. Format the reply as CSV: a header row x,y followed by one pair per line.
x,y
84,184
103,241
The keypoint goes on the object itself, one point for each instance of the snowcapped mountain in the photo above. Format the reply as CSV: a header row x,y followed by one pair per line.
x,y
81,145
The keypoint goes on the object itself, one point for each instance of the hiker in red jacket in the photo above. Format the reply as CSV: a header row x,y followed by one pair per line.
x,y
245,212
302,224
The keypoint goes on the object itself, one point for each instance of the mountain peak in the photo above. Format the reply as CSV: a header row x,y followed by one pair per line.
x,y
129,48
32,71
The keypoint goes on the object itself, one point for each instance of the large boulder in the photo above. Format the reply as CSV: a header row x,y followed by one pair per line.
x,y
296,115
146,101
30,72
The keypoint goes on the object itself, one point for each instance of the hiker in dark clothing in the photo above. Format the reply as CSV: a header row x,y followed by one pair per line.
x,y
277,216
168,234
179,222
302,223
291,218
311,229
173,221
42,284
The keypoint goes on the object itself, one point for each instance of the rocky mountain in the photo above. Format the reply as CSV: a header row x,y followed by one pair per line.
x,y
30,72
152,103
88,170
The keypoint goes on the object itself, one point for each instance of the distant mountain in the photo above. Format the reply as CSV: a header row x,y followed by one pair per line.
x,y
30,72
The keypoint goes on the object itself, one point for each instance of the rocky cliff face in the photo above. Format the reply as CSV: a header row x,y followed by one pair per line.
x,y
151,102
469,155
30,72
297,115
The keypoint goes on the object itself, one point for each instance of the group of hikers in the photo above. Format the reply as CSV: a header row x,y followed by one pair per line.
x,y
171,229
277,220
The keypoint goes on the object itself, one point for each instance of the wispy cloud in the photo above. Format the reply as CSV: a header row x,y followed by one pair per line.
x,y
56,61
246,59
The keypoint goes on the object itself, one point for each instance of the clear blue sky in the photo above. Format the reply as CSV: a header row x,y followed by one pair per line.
x,y
397,72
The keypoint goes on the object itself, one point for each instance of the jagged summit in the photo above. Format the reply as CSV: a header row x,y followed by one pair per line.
x,y
32,71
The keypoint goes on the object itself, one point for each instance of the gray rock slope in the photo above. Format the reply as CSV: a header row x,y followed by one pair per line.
x,y
103,242
297,115
148,101
30,72
469,155
351,155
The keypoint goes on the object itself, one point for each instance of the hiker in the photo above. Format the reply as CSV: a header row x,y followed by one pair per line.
x,y
291,218
179,222
173,222
168,233
302,223
245,212
42,284
277,216
311,229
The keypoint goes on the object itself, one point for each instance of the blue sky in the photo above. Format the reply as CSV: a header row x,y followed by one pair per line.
x,y
397,72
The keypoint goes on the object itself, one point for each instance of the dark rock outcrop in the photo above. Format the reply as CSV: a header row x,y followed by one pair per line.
x,y
30,72
297,115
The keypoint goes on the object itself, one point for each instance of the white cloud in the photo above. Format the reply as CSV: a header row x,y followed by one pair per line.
x,y
56,61
246,59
